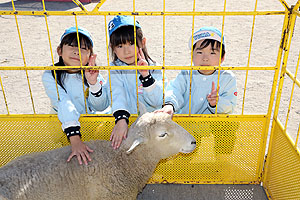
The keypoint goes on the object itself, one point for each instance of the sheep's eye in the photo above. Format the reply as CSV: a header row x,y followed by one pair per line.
x,y
164,134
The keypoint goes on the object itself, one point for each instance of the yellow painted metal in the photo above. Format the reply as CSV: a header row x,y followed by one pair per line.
x,y
292,92
283,173
281,177
221,47
296,7
79,4
149,13
284,37
138,67
192,53
51,51
227,152
164,50
230,148
101,2
4,96
19,33
249,54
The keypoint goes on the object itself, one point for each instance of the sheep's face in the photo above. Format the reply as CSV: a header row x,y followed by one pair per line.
x,y
163,135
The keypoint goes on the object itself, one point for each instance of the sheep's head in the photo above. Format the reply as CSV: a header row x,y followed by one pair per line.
x,y
161,133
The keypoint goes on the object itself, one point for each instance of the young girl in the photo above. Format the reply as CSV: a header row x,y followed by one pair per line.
x,y
69,82
123,82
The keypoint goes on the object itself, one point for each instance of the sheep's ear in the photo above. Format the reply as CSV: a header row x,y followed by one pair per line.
x,y
135,143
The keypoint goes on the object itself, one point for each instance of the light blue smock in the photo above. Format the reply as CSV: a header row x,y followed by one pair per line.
x,y
178,92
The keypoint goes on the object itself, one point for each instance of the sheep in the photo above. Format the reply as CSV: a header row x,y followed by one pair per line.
x,y
111,175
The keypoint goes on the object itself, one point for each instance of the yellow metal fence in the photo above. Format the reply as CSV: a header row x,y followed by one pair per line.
x,y
230,148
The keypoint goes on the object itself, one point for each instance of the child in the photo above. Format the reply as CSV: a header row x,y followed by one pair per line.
x,y
123,82
204,94
206,52
69,82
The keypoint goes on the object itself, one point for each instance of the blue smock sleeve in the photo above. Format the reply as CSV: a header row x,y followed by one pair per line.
x,y
177,89
66,110
153,95
99,97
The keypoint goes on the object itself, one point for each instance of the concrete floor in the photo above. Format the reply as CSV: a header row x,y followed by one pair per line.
x,y
202,192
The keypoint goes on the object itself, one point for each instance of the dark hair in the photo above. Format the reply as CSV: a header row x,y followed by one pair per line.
x,y
70,39
211,42
125,34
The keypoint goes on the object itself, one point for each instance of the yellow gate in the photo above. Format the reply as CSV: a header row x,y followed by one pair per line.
x,y
258,155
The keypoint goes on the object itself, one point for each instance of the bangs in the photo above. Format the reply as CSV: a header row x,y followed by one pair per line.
x,y
208,42
215,45
122,35
71,40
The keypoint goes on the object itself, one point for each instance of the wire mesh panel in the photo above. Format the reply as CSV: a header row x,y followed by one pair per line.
x,y
228,149
283,171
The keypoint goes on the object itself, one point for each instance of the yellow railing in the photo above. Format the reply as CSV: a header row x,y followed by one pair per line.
x,y
247,135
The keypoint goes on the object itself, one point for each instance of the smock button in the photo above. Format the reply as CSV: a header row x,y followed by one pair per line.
x,y
204,79
201,99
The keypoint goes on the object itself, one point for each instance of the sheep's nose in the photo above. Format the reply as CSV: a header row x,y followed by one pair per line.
x,y
193,142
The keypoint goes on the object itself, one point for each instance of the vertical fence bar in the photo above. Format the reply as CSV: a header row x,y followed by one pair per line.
x,y
249,55
135,60
297,138
220,58
192,51
28,82
4,96
101,2
291,96
284,45
107,56
80,58
51,52
164,49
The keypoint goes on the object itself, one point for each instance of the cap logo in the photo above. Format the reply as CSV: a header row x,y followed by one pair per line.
x,y
202,35
111,26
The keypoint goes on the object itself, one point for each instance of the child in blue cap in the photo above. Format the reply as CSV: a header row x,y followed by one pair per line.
x,y
206,52
123,82
204,96
71,101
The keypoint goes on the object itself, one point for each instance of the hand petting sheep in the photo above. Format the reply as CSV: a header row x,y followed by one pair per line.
x,y
112,174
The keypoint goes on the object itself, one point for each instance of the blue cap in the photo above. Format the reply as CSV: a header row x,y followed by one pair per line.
x,y
119,21
81,30
207,32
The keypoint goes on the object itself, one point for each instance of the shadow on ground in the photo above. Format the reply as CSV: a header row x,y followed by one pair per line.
x,y
37,5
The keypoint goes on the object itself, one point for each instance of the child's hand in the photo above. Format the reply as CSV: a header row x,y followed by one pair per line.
x,y
212,97
91,75
166,109
142,62
80,150
119,133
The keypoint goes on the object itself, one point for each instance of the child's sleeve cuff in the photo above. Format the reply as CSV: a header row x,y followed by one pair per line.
x,y
147,81
121,114
71,131
96,89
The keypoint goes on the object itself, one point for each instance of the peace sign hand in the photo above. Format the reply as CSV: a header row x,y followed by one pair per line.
x,y
142,62
212,97
91,75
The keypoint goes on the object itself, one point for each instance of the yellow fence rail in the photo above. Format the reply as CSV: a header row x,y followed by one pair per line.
x,y
237,158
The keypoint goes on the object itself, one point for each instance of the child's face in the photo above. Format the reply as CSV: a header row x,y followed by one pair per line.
x,y
207,56
70,54
125,52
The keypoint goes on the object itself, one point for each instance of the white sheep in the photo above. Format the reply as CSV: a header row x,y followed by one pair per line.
x,y
112,174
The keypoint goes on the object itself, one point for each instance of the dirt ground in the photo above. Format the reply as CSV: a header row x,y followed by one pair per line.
x,y
237,31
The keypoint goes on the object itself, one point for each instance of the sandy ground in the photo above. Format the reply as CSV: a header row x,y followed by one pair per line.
x,y
237,30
